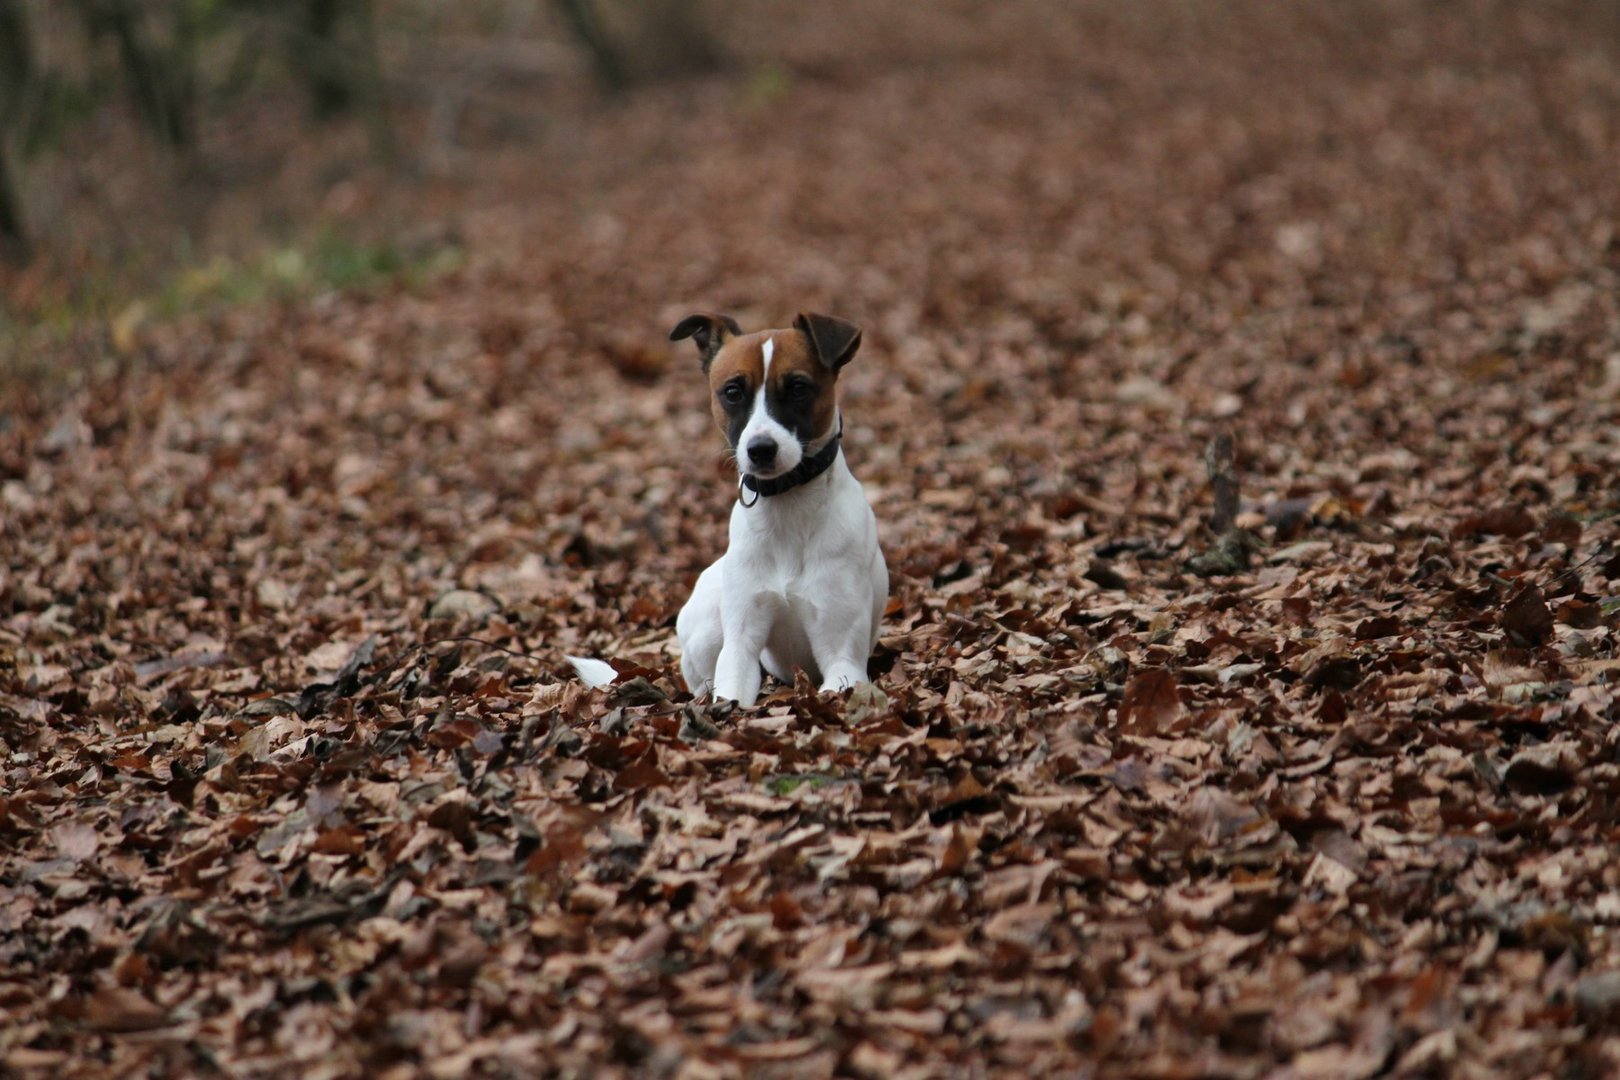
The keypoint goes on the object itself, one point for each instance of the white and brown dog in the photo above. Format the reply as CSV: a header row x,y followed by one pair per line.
x,y
803,583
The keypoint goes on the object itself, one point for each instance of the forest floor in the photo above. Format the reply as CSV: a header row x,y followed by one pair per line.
x,y
1334,793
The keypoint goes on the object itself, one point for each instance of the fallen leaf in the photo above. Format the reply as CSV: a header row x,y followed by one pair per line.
x,y
120,1009
1526,617
1542,769
1152,703
76,840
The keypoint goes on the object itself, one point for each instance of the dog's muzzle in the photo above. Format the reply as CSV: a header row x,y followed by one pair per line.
x,y
807,470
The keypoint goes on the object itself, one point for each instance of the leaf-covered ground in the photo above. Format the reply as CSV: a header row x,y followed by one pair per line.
x,y
1348,810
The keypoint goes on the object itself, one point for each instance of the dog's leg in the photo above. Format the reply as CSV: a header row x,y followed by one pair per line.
x,y
748,621
789,648
738,676
699,672
842,641
699,629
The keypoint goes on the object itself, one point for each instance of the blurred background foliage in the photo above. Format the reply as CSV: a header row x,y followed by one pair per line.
x,y
171,153
130,129
164,61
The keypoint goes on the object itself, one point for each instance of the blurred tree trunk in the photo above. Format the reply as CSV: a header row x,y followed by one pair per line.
x,y
582,19
326,67
16,79
322,58
371,81
641,41
334,49
162,82
13,231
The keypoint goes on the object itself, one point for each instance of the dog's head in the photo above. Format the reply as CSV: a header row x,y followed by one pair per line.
x,y
776,391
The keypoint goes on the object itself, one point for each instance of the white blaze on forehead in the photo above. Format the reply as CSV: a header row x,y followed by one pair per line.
x,y
761,424
765,376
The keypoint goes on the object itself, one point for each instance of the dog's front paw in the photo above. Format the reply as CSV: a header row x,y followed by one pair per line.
x,y
841,677
739,695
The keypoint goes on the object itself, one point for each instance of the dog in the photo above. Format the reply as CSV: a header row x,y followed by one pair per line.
x,y
803,583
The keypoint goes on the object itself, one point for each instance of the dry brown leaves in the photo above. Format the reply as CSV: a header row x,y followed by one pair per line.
x,y
1350,812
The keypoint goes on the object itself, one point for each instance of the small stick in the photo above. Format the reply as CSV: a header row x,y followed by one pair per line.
x,y
1223,478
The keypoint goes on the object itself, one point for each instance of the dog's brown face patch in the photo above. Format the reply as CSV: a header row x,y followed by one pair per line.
x,y
801,393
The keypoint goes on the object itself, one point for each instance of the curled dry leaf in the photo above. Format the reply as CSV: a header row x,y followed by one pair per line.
x,y
1526,617
120,1009
1542,769
1218,817
1152,703
76,840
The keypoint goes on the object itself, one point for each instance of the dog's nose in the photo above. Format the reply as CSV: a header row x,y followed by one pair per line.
x,y
761,452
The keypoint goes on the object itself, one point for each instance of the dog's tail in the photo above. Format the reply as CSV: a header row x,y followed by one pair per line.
x,y
593,673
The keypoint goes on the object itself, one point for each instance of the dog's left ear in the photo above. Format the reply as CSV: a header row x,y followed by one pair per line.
x,y
833,340
708,331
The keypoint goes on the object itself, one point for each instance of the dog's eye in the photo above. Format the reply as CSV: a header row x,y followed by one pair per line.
x,y
733,393
800,389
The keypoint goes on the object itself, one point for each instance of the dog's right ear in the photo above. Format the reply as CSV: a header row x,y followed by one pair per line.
x,y
708,331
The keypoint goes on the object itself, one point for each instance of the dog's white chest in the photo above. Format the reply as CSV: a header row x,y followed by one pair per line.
x,y
801,586
810,545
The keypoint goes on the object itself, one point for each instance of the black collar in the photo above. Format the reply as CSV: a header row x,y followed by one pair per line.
x,y
802,473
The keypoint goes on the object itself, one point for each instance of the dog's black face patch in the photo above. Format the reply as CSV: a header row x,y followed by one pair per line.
x,y
797,402
734,404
